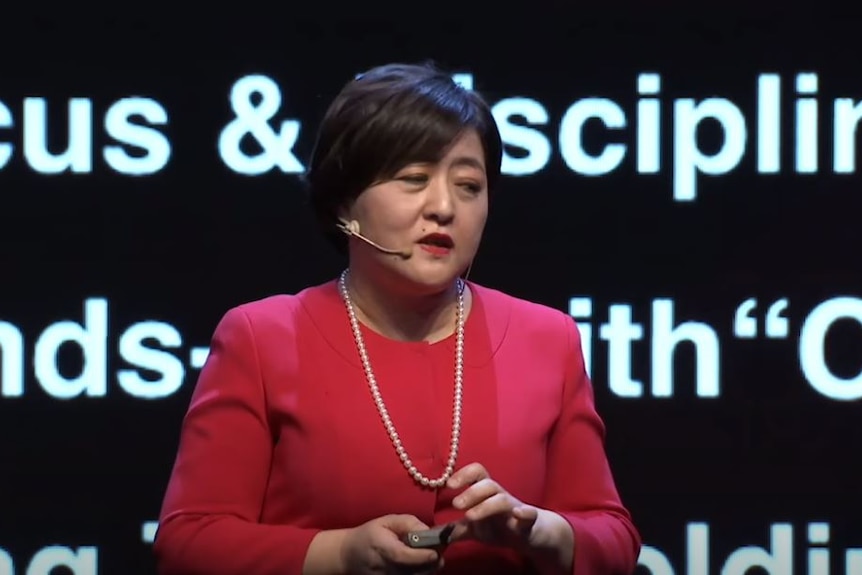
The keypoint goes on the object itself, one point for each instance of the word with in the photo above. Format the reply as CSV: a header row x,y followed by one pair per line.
x,y
129,121
83,561
145,345
776,559
621,332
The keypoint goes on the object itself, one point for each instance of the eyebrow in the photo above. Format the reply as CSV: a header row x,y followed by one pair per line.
x,y
469,161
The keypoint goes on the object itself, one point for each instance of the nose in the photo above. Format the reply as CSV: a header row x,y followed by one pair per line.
x,y
439,201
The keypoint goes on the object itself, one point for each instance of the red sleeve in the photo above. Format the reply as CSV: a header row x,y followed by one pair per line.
x,y
209,519
580,484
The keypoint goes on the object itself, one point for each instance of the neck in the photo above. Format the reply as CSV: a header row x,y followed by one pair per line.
x,y
401,316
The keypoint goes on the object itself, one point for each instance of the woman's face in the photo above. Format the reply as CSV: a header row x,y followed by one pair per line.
x,y
437,212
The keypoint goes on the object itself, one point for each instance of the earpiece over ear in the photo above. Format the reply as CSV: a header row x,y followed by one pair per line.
x,y
351,227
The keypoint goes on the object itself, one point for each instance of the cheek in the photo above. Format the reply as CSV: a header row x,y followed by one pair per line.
x,y
480,218
474,228
387,219
396,216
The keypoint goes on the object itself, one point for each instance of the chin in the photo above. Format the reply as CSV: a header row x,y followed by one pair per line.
x,y
435,280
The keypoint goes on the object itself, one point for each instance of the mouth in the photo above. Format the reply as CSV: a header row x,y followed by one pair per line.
x,y
437,244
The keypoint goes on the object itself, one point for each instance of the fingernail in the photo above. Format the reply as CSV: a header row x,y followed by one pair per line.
x,y
458,501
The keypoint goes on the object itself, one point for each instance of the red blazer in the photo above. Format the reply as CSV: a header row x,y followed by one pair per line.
x,y
282,438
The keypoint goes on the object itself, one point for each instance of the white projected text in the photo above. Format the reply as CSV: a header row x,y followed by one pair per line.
x,y
522,122
782,112
153,347
664,335
52,559
130,122
150,359
776,557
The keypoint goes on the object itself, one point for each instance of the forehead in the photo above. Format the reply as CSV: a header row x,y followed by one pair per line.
x,y
466,150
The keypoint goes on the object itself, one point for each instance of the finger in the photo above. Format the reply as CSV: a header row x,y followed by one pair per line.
x,y
467,475
477,493
401,524
401,554
497,504
522,520
461,531
526,513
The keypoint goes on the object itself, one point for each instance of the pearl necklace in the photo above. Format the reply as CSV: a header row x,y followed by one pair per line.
x,y
378,398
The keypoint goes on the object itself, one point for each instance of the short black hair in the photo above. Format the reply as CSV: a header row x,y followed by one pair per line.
x,y
384,119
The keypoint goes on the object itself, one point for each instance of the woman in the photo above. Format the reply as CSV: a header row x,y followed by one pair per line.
x,y
329,424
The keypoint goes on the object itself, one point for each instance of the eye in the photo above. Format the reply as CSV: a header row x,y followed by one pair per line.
x,y
414,179
472,187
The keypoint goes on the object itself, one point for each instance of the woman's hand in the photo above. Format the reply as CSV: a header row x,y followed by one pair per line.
x,y
496,517
492,514
376,547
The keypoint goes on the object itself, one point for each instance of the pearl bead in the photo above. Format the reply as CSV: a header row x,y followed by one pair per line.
x,y
378,397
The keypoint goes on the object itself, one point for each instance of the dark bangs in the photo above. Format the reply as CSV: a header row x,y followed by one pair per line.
x,y
420,125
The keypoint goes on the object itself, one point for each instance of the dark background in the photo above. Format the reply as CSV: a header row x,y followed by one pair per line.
x,y
90,471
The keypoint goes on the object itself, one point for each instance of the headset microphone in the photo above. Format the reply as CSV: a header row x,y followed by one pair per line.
x,y
351,228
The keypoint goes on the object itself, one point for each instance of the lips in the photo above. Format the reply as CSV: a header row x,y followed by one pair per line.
x,y
437,244
438,240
